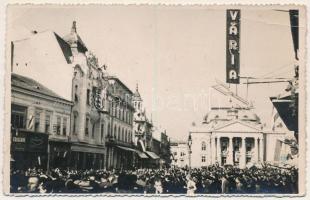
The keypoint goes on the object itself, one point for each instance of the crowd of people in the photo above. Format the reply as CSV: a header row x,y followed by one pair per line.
x,y
210,180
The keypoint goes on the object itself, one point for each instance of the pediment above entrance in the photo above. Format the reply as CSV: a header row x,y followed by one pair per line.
x,y
237,126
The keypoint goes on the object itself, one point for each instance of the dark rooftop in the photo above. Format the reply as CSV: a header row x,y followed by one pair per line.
x,y
32,85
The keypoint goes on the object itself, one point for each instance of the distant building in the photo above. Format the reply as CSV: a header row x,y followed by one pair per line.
x,y
231,133
143,134
40,125
165,153
179,152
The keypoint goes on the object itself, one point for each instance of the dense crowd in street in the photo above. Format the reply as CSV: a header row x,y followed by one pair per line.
x,y
209,180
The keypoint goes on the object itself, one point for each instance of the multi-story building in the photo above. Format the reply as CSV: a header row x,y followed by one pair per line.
x,y
165,153
40,125
143,129
231,133
119,139
179,152
49,58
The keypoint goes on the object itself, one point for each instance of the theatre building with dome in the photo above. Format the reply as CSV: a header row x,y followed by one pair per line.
x,y
232,134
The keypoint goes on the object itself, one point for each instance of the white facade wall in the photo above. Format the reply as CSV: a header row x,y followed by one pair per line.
x,y
37,103
263,147
199,157
271,140
180,154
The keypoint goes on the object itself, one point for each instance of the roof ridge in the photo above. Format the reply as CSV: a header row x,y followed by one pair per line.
x,y
33,85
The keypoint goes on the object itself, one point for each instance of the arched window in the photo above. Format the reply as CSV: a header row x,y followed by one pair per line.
x,y
114,132
203,146
103,102
122,134
102,132
109,130
119,133
76,98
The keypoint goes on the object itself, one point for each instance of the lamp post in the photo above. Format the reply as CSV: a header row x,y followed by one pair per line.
x,y
189,143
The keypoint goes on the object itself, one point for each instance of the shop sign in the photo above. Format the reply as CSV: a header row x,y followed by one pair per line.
x,y
233,46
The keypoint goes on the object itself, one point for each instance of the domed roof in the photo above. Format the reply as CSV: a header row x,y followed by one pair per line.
x,y
229,114
74,40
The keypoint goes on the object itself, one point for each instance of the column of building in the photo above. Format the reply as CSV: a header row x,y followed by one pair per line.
x,y
255,155
218,151
213,150
209,141
242,160
261,149
230,151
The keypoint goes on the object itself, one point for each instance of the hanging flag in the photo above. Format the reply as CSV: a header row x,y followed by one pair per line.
x,y
232,46
142,145
31,122
39,160
294,19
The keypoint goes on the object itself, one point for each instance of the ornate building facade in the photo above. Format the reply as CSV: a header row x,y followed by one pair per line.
x,y
119,140
232,134
143,133
83,82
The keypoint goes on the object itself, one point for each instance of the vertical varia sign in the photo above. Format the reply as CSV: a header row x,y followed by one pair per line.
x,y
232,46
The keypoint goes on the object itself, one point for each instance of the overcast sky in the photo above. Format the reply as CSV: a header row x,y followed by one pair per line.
x,y
172,52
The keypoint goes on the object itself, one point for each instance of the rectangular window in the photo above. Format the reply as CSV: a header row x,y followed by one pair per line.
x,y
47,122
86,126
64,126
37,120
58,125
102,132
93,130
18,116
88,97
203,158
76,98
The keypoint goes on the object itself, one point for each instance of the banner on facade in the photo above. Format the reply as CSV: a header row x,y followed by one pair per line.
x,y
233,46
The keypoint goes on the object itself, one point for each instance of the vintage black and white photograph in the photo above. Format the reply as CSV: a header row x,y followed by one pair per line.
x,y
155,99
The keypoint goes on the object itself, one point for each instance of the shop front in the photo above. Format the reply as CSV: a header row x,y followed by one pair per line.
x,y
59,154
85,156
28,149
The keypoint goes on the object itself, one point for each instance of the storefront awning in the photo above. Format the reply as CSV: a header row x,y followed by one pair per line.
x,y
140,154
126,148
87,149
152,155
